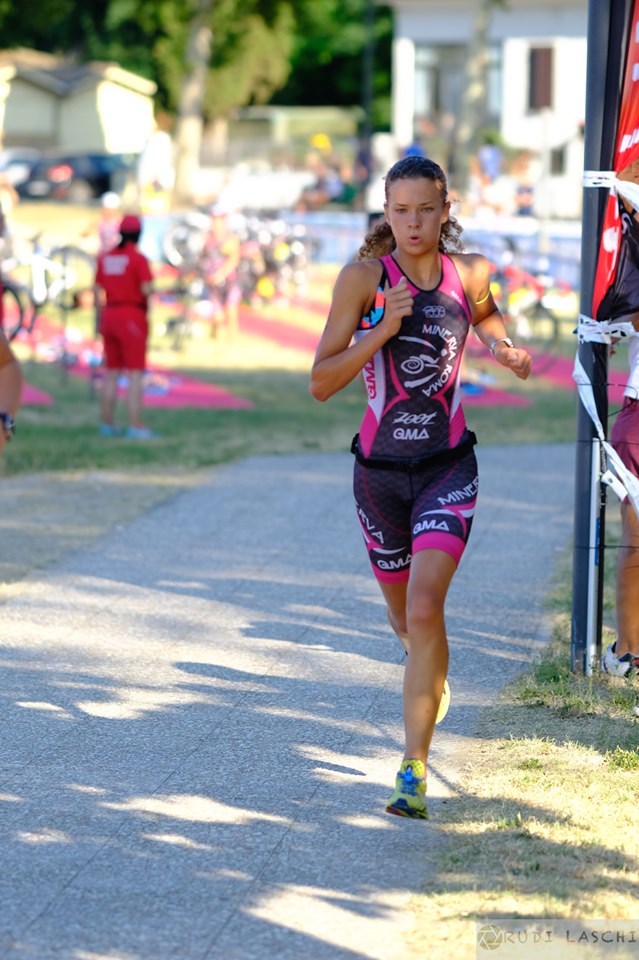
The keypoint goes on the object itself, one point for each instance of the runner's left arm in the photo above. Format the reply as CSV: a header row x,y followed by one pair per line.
x,y
488,322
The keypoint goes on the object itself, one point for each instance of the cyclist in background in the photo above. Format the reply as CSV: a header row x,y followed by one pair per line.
x,y
124,281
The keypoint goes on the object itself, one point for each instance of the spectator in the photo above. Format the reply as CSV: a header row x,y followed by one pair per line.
x,y
490,155
328,187
124,280
363,163
524,188
106,231
222,261
414,149
109,222
621,658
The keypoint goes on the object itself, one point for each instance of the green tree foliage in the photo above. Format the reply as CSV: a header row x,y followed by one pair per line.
x,y
328,51
252,63
309,50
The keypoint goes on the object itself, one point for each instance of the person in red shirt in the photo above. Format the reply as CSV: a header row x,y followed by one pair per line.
x,y
124,280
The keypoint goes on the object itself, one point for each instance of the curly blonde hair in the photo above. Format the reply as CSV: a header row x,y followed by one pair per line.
x,y
380,240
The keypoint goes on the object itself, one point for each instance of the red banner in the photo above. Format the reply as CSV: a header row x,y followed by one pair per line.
x,y
627,150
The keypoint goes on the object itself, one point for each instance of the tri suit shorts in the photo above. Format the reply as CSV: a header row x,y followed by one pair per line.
x,y
403,510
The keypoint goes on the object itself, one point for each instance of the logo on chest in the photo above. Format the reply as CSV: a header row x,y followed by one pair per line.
x,y
432,367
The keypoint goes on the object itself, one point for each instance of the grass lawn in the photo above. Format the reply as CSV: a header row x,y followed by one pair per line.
x,y
284,417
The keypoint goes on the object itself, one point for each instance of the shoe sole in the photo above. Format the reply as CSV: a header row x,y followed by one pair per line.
x,y
406,811
444,703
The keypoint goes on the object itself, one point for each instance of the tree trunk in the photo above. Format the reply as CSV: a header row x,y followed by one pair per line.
x,y
474,98
190,112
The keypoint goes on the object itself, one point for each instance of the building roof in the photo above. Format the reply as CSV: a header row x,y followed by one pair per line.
x,y
64,76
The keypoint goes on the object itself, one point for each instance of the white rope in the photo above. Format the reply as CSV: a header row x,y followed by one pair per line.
x,y
625,484
603,331
599,178
608,178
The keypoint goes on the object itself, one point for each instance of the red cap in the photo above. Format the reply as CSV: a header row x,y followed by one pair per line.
x,y
130,224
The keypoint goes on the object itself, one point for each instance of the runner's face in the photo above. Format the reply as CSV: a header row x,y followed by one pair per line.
x,y
416,212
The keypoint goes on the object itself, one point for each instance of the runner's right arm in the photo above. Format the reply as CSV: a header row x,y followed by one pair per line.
x,y
338,359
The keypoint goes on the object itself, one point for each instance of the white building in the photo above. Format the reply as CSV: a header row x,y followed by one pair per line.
x,y
536,82
48,102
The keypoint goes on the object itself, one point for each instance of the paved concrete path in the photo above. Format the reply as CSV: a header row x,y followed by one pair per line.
x,y
201,718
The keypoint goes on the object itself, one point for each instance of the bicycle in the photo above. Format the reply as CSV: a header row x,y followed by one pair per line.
x,y
198,307
61,277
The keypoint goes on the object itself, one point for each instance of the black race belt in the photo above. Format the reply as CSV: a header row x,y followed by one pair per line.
x,y
438,459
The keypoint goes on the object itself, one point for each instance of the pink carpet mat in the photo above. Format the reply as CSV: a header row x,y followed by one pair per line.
x,y
33,397
162,387
165,388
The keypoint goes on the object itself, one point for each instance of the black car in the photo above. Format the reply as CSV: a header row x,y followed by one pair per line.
x,y
77,177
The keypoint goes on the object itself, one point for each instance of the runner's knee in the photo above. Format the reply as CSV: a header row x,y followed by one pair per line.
x,y
425,611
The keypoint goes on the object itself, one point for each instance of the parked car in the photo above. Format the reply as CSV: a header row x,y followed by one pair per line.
x,y
77,177
16,163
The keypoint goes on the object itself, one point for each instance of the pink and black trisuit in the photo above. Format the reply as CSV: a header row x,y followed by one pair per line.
x,y
415,479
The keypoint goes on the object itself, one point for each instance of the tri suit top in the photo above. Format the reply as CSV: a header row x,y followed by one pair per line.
x,y
415,479
414,395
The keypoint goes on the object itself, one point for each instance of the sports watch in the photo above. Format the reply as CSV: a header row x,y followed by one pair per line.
x,y
505,340
8,425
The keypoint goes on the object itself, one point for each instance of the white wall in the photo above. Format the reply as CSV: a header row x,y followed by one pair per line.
x,y
126,116
431,21
520,25
30,115
546,130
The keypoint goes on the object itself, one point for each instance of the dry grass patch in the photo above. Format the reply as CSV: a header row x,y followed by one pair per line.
x,y
543,822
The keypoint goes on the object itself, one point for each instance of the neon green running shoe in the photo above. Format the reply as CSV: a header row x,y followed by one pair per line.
x,y
409,796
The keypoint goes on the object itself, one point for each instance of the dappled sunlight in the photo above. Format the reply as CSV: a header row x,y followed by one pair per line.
x,y
196,809
362,726
363,822
53,707
332,916
109,955
178,840
235,696
492,637
85,788
48,835
128,702
307,610
330,765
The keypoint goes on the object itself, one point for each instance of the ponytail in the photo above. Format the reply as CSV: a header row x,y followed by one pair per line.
x,y
378,242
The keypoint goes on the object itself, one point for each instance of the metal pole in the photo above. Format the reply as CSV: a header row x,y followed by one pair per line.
x,y
607,33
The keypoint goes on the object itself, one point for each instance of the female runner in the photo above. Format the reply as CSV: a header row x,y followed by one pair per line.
x,y
399,316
